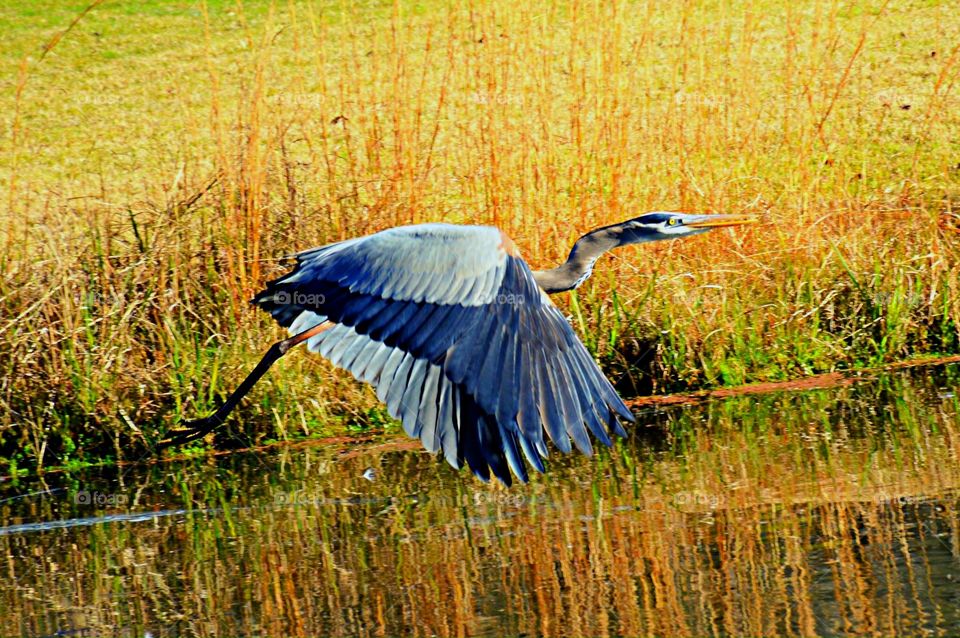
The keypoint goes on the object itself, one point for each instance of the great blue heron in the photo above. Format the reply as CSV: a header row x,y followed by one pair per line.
x,y
458,337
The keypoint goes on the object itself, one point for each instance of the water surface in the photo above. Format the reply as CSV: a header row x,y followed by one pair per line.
x,y
829,512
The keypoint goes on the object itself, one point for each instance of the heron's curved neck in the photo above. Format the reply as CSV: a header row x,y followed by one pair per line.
x,y
579,265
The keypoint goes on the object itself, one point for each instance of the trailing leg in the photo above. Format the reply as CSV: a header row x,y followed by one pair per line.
x,y
198,428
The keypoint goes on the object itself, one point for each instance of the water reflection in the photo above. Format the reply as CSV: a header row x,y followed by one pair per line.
x,y
826,512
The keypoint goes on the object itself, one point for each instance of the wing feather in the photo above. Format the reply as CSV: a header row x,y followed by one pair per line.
x,y
351,354
398,386
549,406
410,402
469,445
337,349
528,413
370,372
446,431
384,382
429,408
586,399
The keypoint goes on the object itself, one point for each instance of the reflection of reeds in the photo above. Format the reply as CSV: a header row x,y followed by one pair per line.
x,y
761,524
133,240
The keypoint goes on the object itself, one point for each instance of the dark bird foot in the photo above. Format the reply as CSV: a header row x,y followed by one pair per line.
x,y
190,431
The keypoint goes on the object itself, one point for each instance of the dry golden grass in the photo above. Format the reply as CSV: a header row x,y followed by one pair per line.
x,y
161,156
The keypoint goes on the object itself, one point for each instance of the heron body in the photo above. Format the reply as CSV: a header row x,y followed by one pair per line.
x,y
458,337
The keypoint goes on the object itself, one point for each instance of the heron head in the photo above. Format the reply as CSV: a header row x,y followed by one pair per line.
x,y
665,225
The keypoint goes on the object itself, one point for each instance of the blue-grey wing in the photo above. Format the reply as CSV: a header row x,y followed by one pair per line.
x,y
458,340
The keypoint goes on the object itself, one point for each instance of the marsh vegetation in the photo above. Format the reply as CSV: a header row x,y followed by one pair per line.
x,y
159,157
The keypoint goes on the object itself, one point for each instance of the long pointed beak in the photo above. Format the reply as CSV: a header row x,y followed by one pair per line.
x,y
721,221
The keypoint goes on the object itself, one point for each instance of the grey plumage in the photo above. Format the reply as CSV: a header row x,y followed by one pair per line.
x,y
453,330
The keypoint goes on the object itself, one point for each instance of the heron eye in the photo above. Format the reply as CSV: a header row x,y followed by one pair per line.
x,y
673,221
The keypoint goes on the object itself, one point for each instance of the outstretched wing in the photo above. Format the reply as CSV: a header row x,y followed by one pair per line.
x,y
461,345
